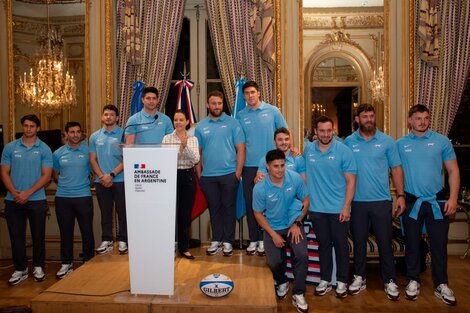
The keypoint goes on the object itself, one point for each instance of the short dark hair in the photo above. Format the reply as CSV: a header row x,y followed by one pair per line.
x,y
364,107
281,130
421,108
72,124
274,155
215,93
250,83
33,118
149,90
181,112
323,119
111,107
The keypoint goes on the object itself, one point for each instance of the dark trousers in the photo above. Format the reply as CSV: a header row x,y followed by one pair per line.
x,y
106,198
67,209
185,194
437,233
221,193
331,233
248,176
16,216
276,259
379,214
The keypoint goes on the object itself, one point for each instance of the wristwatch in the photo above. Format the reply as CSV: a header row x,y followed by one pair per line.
x,y
401,196
298,223
112,174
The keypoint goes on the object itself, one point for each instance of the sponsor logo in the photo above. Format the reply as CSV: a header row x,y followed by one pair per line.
x,y
377,145
431,144
332,157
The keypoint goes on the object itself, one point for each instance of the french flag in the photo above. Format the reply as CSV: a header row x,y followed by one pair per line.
x,y
139,166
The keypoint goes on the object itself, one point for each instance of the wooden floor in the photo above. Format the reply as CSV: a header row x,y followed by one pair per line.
x,y
371,300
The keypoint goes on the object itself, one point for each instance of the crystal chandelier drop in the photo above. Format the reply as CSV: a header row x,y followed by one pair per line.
x,y
50,90
377,86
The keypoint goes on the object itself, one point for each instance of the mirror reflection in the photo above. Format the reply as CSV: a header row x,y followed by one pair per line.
x,y
343,44
49,61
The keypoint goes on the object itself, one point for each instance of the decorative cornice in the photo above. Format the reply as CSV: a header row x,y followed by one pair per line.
x,y
353,19
69,26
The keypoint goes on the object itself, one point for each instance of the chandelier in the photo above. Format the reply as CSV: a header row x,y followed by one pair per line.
x,y
50,90
317,111
377,86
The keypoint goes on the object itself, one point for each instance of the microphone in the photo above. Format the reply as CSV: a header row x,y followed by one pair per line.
x,y
137,124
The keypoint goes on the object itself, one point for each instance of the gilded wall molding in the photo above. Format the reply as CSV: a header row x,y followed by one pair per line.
x,y
11,92
87,67
386,68
108,6
349,18
411,52
301,74
278,68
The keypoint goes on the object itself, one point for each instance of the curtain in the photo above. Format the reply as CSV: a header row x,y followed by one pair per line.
x,y
441,87
147,41
233,33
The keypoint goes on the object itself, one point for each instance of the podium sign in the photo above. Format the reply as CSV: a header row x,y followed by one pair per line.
x,y
150,185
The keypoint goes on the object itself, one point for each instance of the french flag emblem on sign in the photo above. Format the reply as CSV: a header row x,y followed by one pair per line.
x,y
139,165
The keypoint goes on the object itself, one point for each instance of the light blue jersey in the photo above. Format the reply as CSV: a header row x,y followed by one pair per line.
x,y
152,133
325,176
280,205
422,159
74,170
259,126
373,159
217,140
26,164
293,163
108,151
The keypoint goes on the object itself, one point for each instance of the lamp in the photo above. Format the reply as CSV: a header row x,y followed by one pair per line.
x,y
50,90
377,86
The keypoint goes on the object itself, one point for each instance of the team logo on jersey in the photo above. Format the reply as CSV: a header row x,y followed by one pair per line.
x,y
431,144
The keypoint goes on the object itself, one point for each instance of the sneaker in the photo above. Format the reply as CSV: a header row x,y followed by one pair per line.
x,y
65,269
412,290
300,304
282,289
341,290
228,249
122,247
214,248
38,274
104,247
17,277
446,294
251,250
260,250
322,288
391,289
357,285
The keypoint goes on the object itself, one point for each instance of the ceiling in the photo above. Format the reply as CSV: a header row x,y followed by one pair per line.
x,y
342,3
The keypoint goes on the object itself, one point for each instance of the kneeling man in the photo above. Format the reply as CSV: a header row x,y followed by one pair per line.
x,y
280,202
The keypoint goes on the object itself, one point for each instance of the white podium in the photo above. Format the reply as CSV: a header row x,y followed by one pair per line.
x,y
150,186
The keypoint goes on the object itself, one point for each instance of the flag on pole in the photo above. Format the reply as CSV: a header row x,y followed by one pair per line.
x,y
184,99
239,105
136,104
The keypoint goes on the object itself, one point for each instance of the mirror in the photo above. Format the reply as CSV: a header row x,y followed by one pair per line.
x,y
68,24
344,49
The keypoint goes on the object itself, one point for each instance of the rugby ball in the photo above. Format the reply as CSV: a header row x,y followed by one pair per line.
x,y
216,285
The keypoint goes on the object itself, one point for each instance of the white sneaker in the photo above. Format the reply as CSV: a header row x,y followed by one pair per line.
x,y
17,277
300,304
412,290
282,289
391,289
228,249
260,251
214,248
104,247
251,250
322,288
446,294
341,290
357,285
65,269
38,274
122,247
